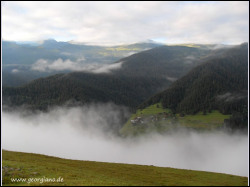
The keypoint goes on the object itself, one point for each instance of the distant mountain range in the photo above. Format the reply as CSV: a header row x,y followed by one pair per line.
x,y
19,58
140,76
29,52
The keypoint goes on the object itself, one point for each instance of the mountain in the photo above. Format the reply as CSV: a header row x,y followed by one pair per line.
x,y
220,83
140,76
52,44
169,62
21,57
10,79
14,54
82,88
28,43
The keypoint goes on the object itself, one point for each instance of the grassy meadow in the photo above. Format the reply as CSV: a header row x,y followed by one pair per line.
x,y
197,122
42,170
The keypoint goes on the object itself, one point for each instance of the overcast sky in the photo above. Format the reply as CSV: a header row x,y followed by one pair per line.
x,y
126,22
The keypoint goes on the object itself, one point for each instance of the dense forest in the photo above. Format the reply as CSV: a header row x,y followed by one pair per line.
x,y
141,75
83,88
218,84
156,60
170,62
207,80
12,79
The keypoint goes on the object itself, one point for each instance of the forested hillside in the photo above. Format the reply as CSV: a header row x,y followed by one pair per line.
x,y
220,83
170,62
141,75
83,88
12,79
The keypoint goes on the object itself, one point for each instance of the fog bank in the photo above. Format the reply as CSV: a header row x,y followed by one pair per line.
x,y
85,133
43,65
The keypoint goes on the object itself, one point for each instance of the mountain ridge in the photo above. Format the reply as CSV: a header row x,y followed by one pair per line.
x,y
125,86
218,84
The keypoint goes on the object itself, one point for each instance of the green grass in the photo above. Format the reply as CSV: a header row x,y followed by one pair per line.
x,y
153,110
89,173
198,121
208,121
149,111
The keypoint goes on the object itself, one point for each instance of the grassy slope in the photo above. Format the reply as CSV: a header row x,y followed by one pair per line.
x,y
87,173
197,121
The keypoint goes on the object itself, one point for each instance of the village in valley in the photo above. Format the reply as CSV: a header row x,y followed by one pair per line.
x,y
155,117
161,116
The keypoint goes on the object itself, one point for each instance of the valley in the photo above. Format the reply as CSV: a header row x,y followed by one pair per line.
x,y
178,102
101,93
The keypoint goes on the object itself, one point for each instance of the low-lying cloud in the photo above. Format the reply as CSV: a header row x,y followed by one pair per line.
x,y
43,65
189,59
85,133
171,78
227,97
221,46
15,71
129,53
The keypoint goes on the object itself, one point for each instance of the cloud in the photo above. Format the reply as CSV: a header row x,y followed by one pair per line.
x,y
220,46
107,68
85,133
228,97
68,54
223,96
43,65
129,53
15,71
171,78
189,59
81,59
127,22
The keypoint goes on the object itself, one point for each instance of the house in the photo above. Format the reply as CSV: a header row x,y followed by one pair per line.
x,y
137,120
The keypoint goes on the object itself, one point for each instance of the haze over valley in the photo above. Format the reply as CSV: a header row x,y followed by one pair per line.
x,y
81,133
128,83
91,114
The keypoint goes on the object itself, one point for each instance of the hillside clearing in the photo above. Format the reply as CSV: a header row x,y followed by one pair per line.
x,y
42,168
162,119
